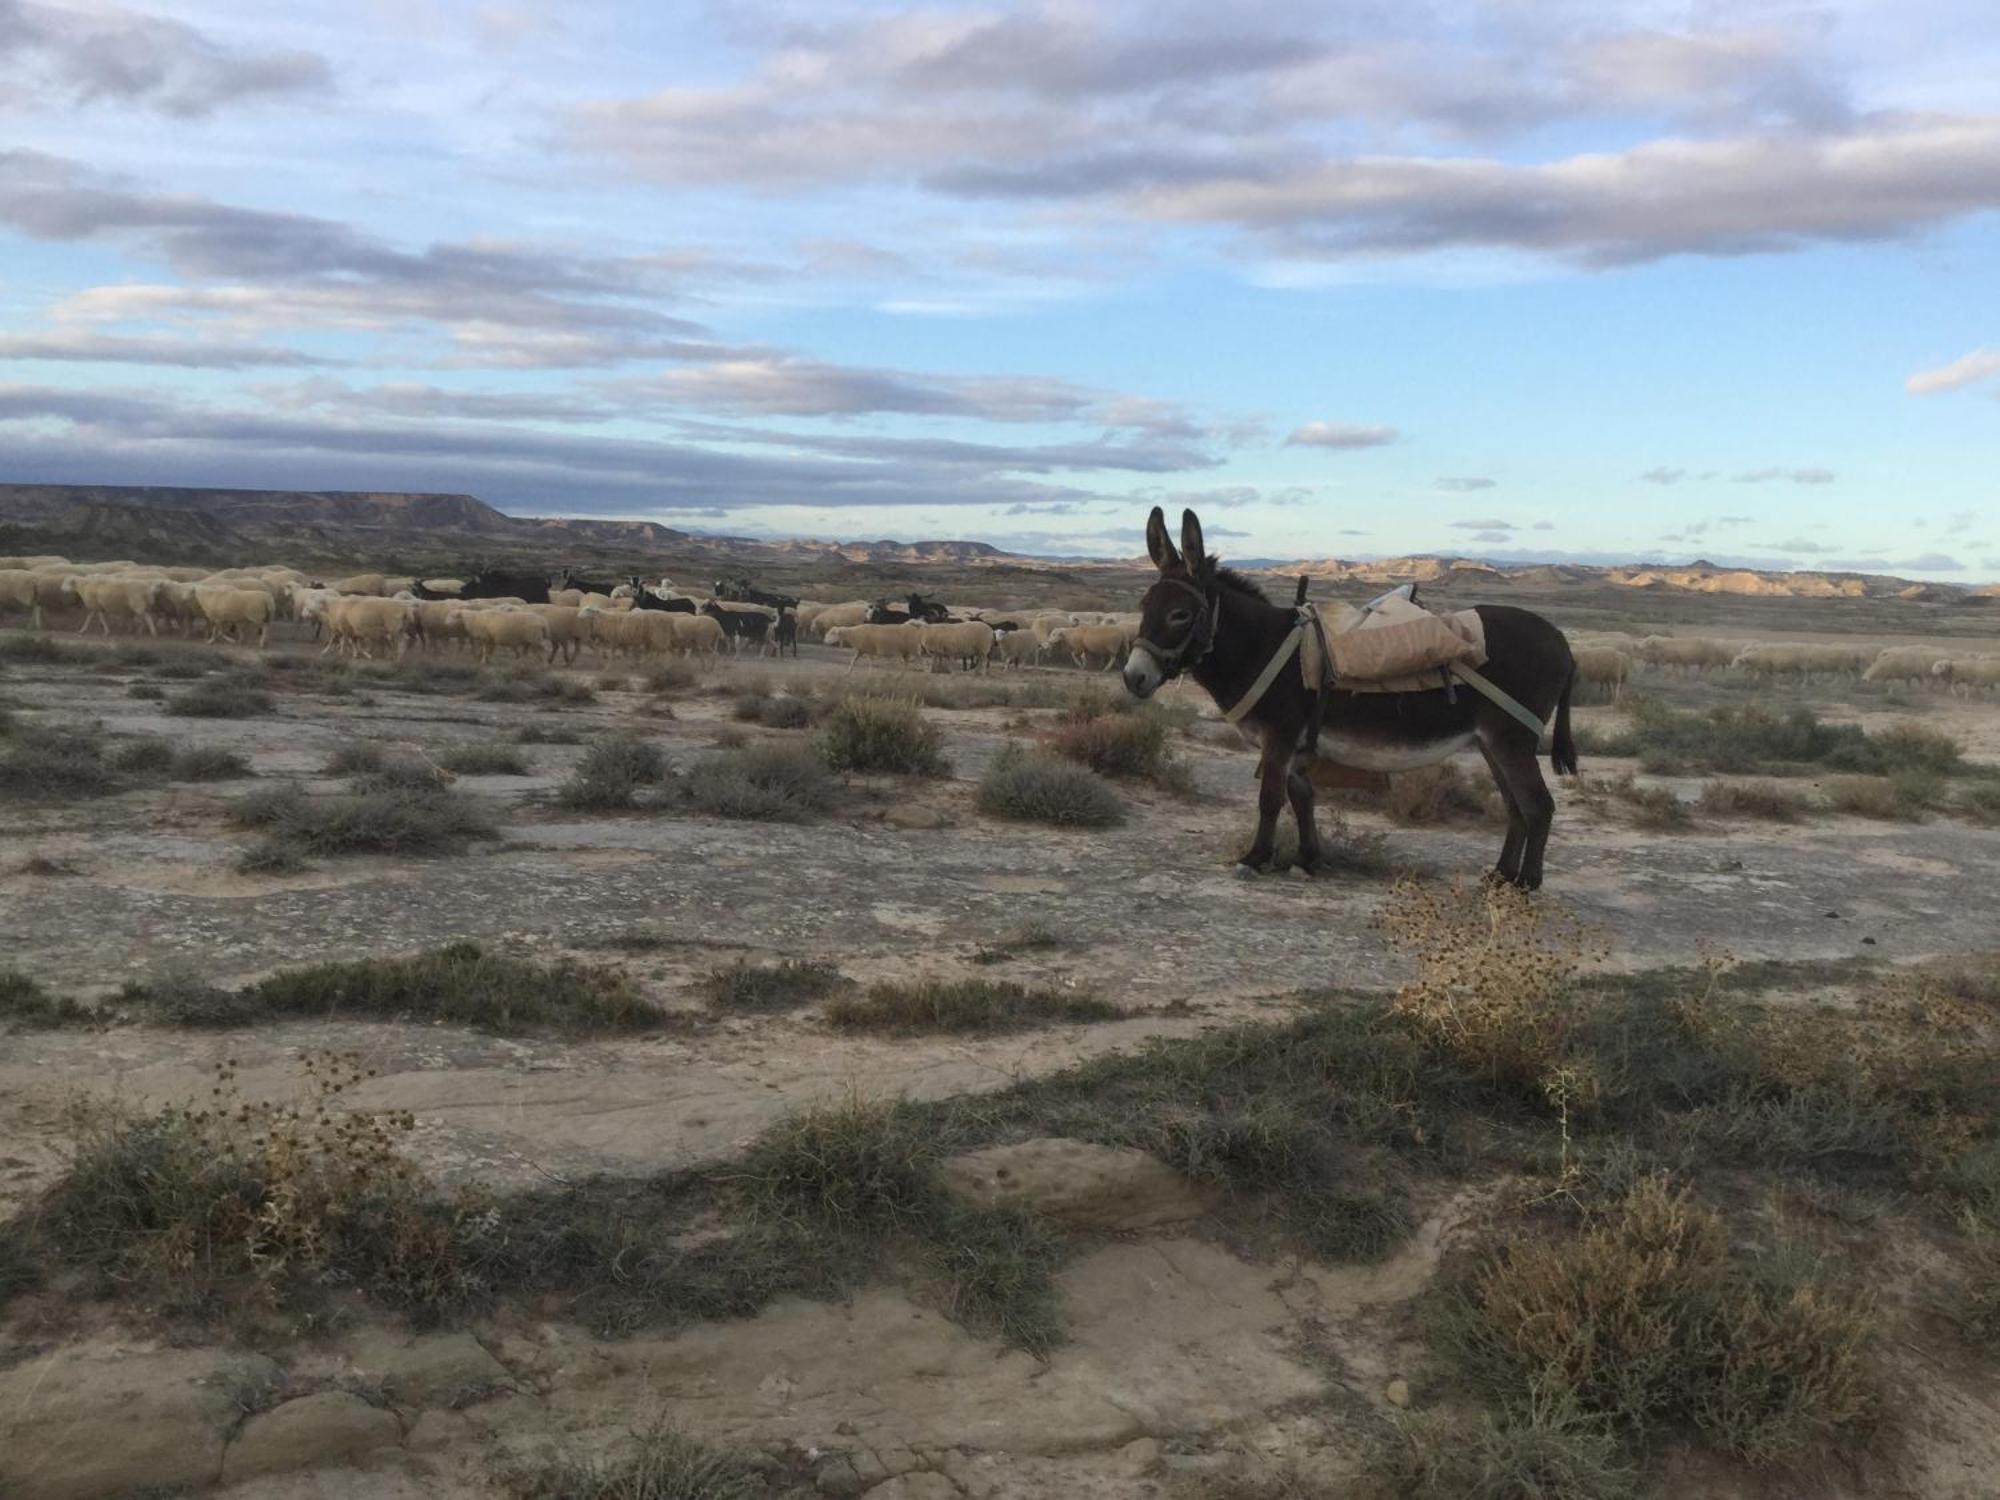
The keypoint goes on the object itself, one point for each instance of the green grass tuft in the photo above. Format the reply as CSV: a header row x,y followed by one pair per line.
x,y
962,1005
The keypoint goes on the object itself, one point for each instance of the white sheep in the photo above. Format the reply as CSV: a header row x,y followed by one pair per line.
x,y
1973,673
228,609
1082,642
568,630
356,623
897,643
1904,664
20,591
103,595
969,641
1603,667
519,630
1017,648
833,616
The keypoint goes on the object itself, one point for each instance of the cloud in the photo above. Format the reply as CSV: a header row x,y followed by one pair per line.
x,y
1967,369
772,383
1545,526
1664,476
126,437
1466,484
1734,520
297,270
1752,194
1493,536
83,347
1931,562
1484,526
1340,435
147,62
1794,476
1169,113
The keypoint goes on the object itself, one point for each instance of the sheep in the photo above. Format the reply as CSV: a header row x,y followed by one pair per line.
x,y
1603,667
1690,652
567,598
1904,664
568,630
516,629
452,586
1082,642
361,583
51,591
1017,648
968,643
693,634
854,612
898,643
1839,661
309,606
1971,672
105,595
356,622
438,620
20,590
1771,660
225,609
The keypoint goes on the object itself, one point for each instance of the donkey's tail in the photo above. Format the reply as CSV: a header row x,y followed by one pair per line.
x,y
1562,752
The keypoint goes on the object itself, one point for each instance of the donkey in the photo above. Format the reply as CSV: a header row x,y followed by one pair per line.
x,y
1214,624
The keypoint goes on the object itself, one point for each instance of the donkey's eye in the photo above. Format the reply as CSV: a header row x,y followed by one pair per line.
x,y
1179,617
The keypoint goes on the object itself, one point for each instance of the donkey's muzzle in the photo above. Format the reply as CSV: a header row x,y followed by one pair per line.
x,y
1143,674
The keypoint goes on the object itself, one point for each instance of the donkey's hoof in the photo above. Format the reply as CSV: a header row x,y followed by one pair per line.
x,y
1246,871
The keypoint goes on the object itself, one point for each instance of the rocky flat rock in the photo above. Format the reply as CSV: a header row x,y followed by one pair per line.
x,y
108,1420
437,1369
1086,1186
331,1427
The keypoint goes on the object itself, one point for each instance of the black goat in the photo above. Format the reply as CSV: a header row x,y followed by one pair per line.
x,y
739,625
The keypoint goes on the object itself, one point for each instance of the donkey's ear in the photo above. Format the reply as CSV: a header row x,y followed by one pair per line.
x,y
1191,547
1162,550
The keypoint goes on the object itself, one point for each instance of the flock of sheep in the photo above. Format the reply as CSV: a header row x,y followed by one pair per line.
x,y
373,612
1611,660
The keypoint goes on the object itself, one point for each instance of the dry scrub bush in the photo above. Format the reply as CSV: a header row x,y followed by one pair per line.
x,y
881,734
773,783
261,1195
484,758
784,985
1654,808
610,773
1434,795
1039,788
1647,1321
1542,1448
1125,740
1753,799
1495,984
1912,1056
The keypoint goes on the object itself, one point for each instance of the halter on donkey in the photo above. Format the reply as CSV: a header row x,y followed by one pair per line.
x,y
1217,626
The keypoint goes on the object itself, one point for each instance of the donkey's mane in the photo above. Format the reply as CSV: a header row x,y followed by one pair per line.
x,y
1230,579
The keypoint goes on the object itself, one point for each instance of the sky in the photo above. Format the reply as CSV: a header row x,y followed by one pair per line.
x,y
1525,279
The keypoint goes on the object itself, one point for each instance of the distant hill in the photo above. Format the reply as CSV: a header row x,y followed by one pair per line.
x,y
445,532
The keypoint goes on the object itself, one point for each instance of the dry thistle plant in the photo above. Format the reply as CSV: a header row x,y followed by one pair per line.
x,y
1495,982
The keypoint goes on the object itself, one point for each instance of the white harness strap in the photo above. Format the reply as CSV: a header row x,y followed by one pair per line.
x,y
1494,695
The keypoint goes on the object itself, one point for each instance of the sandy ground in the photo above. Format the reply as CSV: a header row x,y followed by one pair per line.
x,y
1175,1341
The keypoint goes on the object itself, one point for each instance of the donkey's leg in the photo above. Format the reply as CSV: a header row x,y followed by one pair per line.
x,y
1509,867
1272,774
1298,784
1513,755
